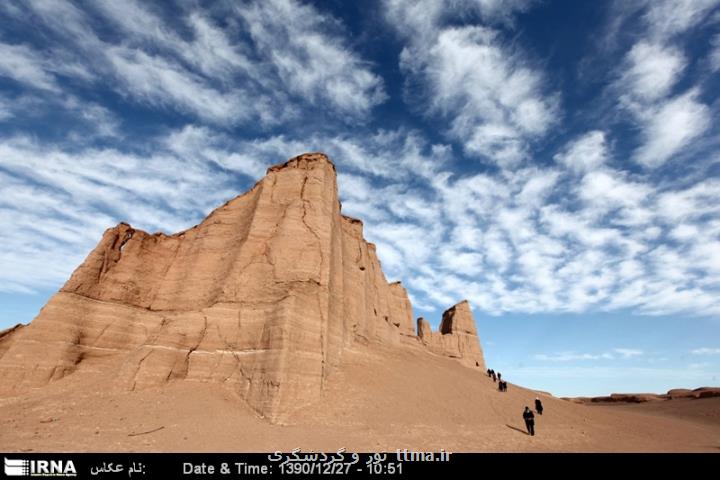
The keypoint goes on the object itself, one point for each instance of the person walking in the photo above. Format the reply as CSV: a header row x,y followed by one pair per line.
x,y
499,376
529,418
494,377
538,406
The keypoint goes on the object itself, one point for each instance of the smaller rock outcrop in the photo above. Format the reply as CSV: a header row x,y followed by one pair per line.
x,y
457,337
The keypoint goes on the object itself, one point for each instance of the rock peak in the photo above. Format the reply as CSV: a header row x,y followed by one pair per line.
x,y
305,161
458,319
457,336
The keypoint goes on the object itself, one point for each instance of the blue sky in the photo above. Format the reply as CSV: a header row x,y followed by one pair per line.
x,y
556,163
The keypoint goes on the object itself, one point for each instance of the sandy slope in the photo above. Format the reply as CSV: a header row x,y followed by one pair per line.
x,y
704,411
380,399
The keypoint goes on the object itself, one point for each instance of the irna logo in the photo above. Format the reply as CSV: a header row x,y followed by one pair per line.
x,y
39,468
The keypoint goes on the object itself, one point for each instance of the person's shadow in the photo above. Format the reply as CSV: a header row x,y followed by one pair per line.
x,y
516,429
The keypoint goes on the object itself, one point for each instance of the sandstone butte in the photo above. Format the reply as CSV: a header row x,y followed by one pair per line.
x,y
264,295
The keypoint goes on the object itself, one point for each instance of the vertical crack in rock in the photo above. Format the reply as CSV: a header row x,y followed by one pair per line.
x,y
139,366
310,229
186,362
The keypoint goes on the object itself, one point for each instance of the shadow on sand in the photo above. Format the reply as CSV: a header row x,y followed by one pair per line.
x,y
517,429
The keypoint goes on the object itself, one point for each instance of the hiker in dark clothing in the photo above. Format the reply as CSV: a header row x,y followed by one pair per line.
x,y
489,372
529,418
538,406
504,384
494,377
499,376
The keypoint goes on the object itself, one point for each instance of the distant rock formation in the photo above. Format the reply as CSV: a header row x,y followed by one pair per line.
x,y
263,295
674,394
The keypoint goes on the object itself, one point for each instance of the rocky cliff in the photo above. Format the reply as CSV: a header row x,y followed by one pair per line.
x,y
264,296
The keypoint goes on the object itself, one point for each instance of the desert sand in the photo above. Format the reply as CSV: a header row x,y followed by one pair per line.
x,y
379,399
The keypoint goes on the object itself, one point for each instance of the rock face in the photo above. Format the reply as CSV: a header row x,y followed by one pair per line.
x,y
6,336
457,337
263,295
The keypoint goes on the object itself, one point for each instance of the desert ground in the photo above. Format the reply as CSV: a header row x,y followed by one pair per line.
x,y
379,399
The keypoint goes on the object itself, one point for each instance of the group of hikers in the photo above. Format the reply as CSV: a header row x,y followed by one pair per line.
x,y
528,414
497,377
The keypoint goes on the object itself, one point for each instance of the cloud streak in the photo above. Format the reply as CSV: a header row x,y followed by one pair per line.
x,y
494,101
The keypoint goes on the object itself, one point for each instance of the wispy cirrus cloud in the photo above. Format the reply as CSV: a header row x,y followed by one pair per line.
x,y
649,86
494,101
311,58
24,65
223,76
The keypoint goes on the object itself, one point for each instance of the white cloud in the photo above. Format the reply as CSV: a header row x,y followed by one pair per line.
x,y
159,82
419,18
494,101
26,66
650,73
666,18
210,50
671,127
312,61
62,17
706,351
622,353
684,232
294,57
586,153
628,352
605,190
570,357
652,70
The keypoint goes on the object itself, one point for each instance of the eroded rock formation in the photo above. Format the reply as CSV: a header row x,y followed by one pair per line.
x,y
263,295
457,336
